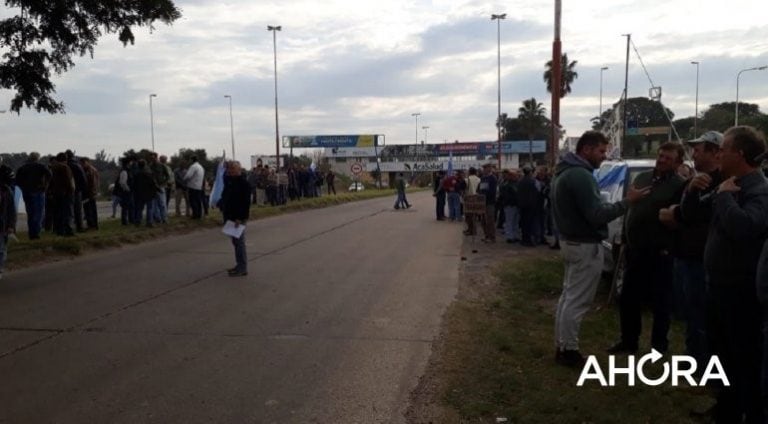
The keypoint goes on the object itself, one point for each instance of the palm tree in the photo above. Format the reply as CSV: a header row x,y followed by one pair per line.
x,y
533,117
567,77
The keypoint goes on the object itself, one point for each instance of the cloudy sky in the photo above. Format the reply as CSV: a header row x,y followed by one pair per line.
x,y
363,67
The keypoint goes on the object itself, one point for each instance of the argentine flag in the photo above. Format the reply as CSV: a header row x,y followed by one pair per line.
x,y
613,182
218,184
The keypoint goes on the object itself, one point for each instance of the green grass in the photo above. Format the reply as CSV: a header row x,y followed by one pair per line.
x,y
499,359
111,233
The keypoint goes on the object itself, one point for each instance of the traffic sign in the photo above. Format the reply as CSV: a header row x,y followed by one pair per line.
x,y
356,168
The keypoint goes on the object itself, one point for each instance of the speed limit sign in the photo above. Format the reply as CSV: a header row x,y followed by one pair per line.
x,y
356,168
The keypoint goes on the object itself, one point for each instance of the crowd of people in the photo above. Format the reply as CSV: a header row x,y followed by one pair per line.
x,y
517,203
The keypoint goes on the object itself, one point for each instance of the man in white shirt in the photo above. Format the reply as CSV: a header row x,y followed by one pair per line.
x,y
472,182
194,182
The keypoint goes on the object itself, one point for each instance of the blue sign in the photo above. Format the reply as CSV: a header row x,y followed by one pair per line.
x,y
329,141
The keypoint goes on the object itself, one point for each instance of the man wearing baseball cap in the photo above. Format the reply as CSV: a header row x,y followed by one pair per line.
x,y
691,217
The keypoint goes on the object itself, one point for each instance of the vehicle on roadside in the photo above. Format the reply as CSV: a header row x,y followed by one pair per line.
x,y
356,186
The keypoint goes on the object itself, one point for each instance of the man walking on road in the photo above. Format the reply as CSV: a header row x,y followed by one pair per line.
x,y
583,220
236,205
401,201
33,178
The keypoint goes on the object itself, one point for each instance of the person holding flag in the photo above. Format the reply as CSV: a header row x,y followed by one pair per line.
x,y
235,206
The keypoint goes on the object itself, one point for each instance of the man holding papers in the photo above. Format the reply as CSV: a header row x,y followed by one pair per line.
x,y
236,203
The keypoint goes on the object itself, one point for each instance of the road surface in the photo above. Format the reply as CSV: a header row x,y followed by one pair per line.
x,y
333,324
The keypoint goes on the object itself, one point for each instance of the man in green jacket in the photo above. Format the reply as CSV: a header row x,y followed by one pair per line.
x,y
648,272
582,218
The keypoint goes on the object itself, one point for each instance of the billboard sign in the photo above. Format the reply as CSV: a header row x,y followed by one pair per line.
x,y
351,152
332,140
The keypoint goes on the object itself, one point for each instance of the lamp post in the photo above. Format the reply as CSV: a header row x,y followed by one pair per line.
x,y
600,113
152,120
758,68
425,133
696,108
498,18
274,30
416,115
231,125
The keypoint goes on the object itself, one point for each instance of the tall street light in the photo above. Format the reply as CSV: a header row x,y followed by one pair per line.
x,y
600,113
231,125
498,18
758,68
416,139
274,30
696,110
425,133
152,120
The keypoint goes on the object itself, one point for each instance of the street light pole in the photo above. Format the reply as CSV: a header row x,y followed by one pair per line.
x,y
498,18
758,68
231,125
152,120
274,30
425,133
416,139
696,109
600,113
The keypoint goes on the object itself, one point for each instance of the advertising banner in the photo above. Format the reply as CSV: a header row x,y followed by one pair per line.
x,y
350,152
329,140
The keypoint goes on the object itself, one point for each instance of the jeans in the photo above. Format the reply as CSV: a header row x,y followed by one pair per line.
x,y
511,223
401,201
62,215
160,211
241,257
35,205
179,195
454,206
149,205
691,277
583,265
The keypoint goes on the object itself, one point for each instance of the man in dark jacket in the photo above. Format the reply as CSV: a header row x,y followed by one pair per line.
x,y
508,201
489,188
89,196
691,219
648,271
7,213
145,191
582,218
62,191
81,187
33,178
531,205
737,232
236,204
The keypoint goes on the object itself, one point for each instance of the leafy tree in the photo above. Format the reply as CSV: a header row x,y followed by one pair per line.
x,y
533,118
45,35
568,75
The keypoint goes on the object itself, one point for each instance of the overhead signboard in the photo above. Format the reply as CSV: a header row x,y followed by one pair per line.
x,y
421,166
485,148
300,141
351,152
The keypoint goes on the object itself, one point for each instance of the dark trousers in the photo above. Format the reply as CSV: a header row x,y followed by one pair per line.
x,y
77,210
241,257
91,213
35,206
689,275
735,336
331,188
126,208
764,381
647,280
196,203
526,224
62,215
440,204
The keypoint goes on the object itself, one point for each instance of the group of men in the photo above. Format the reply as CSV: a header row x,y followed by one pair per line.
x,y
516,202
299,182
699,243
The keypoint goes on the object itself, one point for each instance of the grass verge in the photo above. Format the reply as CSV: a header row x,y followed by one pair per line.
x,y
111,233
498,359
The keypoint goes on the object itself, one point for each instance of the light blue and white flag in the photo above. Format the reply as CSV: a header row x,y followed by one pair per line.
x,y
613,182
17,202
218,184
449,171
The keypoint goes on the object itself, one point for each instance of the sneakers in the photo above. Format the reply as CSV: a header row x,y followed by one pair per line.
x,y
622,347
570,358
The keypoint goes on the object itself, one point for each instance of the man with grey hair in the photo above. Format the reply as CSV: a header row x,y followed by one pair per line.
x,y
33,178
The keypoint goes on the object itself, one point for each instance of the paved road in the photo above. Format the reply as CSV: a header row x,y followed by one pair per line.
x,y
332,325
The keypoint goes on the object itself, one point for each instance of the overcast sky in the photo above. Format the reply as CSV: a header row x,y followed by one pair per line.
x,y
363,67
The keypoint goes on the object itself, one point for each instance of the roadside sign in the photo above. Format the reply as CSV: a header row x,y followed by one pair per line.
x,y
475,204
356,168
